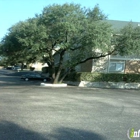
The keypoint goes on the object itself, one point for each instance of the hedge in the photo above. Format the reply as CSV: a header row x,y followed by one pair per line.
x,y
103,77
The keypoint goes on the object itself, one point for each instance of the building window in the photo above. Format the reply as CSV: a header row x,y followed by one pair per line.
x,y
116,66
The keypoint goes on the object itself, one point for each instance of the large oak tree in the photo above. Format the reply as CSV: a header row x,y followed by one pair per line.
x,y
75,32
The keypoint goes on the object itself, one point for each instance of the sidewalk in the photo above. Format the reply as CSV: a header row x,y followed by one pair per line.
x,y
117,85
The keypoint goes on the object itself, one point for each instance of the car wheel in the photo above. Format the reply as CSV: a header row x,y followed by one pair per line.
x,y
44,80
26,79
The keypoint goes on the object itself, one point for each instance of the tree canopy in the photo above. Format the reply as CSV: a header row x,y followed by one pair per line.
x,y
128,42
68,33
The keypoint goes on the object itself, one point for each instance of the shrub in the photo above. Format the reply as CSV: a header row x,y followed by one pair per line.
x,y
103,77
71,76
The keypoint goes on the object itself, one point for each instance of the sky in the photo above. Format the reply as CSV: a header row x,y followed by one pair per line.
x,y
13,11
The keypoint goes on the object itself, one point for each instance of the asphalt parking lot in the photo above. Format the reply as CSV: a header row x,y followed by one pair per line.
x,y
31,112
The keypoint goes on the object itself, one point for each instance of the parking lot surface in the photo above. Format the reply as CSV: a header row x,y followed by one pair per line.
x,y
31,112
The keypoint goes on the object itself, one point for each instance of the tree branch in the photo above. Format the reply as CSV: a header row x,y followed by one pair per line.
x,y
93,57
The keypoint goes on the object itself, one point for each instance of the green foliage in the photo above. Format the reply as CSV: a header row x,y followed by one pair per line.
x,y
77,31
103,77
3,61
18,45
128,42
96,13
72,77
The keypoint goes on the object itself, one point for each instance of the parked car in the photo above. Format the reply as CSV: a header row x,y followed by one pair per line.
x,y
9,67
35,76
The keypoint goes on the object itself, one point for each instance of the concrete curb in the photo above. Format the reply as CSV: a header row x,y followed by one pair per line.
x,y
118,85
53,85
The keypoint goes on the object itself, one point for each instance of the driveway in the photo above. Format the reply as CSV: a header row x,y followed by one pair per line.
x,y
72,113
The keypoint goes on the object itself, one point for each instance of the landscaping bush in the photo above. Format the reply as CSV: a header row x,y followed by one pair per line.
x,y
72,76
103,77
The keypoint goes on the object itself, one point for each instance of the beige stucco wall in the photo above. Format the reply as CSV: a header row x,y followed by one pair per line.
x,y
38,66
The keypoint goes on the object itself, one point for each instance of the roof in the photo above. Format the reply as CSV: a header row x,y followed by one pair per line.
x,y
117,25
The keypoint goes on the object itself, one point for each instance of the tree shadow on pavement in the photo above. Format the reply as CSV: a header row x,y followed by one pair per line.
x,y
76,134
11,131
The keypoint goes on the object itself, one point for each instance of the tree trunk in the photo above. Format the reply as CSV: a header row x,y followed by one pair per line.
x,y
22,66
52,71
65,74
27,66
56,80
61,80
